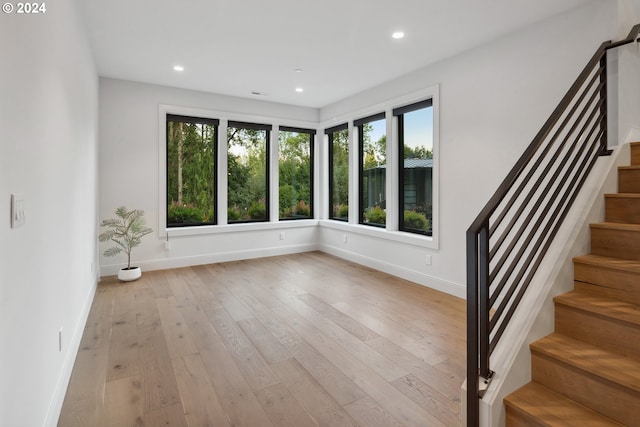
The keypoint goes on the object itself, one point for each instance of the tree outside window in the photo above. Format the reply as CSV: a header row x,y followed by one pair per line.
x,y
248,178
373,170
339,172
295,173
191,171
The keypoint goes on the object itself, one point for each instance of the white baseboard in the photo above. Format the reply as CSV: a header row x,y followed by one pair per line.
x,y
162,264
55,406
447,287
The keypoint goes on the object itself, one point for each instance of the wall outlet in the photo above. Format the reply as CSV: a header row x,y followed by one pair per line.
x,y
167,245
17,210
282,235
60,339
344,238
427,260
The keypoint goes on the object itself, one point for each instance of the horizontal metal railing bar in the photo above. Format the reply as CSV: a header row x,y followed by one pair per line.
x,y
496,223
524,287
549,204
497,245
536,186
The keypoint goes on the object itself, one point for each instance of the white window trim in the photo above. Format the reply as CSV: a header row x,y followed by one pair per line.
x,y
223,118
391,228
321,168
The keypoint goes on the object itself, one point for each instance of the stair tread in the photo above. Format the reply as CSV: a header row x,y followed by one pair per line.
x,y
553,409
631,167
615,309
616,226
598,362
623,195
609,262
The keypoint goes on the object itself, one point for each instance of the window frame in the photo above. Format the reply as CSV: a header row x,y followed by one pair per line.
x,y
312,135
267,201
359,124
399,113
330,134
193,120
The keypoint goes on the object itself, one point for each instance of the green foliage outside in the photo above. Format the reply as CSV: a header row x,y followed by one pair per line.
x,y
190,172
420,152
343,211
374,155
247,174
295,175
415,221
340,177
185,214
375,215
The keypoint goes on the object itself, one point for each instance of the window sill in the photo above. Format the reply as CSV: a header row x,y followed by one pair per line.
x,y
235,228
382,233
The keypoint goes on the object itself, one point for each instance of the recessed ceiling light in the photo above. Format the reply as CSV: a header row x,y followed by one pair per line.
x,y
397,35
299,90
178,68
298,70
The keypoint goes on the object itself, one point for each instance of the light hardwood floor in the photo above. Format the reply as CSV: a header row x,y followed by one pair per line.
x,y
298,340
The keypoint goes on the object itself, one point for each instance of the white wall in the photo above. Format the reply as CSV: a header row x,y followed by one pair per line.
x,y
48,139
629,70
130,140
493,100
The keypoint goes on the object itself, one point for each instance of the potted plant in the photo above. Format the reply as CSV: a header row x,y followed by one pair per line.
x,y
126,231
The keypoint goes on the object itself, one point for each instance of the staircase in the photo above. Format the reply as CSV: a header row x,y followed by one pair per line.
x,y
587,373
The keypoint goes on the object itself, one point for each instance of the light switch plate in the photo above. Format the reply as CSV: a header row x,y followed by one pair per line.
x,y
17,210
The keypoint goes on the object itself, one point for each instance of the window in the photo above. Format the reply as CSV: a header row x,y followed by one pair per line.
x,y
415,136
296,173
338,172
191,170
248,167
372,147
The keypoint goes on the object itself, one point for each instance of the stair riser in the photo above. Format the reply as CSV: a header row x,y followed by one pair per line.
x,y
622,210
609,399
628,181
609,279
603,332
631,295
516,419
624,244
635,154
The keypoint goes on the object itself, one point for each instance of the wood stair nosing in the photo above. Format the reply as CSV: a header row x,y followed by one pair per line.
x,y
577,370
536,405
609,263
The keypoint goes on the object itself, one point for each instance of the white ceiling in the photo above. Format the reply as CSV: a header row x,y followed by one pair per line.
x,y
236,47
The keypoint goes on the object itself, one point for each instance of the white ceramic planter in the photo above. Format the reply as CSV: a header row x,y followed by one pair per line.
x,y
129,275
